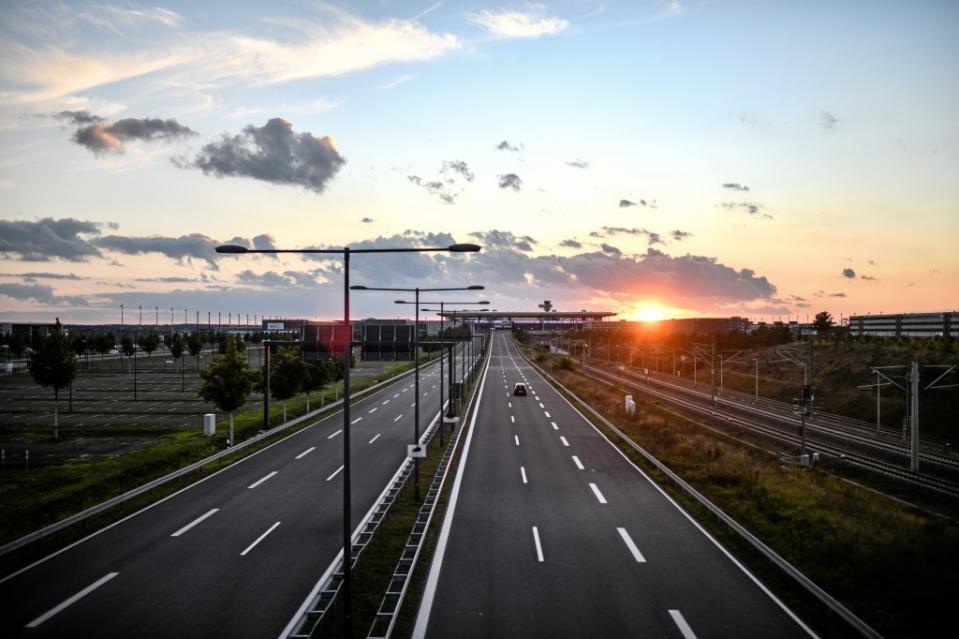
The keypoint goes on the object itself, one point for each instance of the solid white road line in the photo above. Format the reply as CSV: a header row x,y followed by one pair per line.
x,y
335,473
375,438
194,522
516,437
305,452
555,427
355,420
539,547
398,418
563,439
578,463
259,539
512,419
262,479
599,495
684,628
522,471
548,416
638,556
331,436
83,593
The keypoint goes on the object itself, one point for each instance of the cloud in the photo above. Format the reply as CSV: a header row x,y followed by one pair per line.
x,y
460,167
435,187
827,120
367,220
626,204
517,24
45,239
273,279
735,186
578,164
172,279
651,237
869,278
39,293
609,249
848,273
752,208
510,181
837,295
33,277
506,146
679,236
183,248
504,239
273,153
99,136
573,244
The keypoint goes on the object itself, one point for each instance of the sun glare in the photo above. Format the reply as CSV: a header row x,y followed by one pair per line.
x,y
650,313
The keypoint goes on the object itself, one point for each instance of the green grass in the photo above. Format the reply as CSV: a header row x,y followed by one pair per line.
x,y
893,565
32,499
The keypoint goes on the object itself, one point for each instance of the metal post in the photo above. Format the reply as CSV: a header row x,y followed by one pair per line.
x,y
266,391
712,371
757,378
914,419
442,356
347,539
878,389
416,402
720,372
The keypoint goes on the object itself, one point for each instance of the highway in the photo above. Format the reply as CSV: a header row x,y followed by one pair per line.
x,y
551,532
232,555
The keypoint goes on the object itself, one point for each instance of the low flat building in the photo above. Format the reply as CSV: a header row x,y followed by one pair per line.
x,y
945,324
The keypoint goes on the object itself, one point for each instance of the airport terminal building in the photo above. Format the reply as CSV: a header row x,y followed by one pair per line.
x,y
944,324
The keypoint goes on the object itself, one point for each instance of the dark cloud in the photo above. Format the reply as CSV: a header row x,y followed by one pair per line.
x,y
606,231
434,187
183,248
827,120
78,118
100,136
679,236
168,280
33,277
504,239
803,304
39,293
460,167
510,181
45,239
578,164
367,220
752,208
797,298
735,186
626,203
272,279
506,146
869,278
273,153
609,249
837,295
264,242
848,273
573,244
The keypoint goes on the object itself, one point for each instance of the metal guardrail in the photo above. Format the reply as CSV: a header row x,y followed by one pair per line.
x,y
151,485
804,581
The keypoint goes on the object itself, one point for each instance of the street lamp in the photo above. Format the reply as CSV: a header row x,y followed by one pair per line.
x,y
416,361
442,355
232,249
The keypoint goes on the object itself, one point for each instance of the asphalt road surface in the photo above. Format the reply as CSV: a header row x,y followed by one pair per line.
x,y
233,555
552,532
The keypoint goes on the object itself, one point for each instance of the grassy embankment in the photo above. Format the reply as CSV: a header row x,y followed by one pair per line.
x,y
893,565
32,499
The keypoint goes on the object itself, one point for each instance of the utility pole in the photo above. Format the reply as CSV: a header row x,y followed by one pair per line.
x,y
712,370
914,417
878,408
756,360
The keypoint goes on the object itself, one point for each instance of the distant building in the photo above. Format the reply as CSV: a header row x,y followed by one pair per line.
x,y
40,330
906,325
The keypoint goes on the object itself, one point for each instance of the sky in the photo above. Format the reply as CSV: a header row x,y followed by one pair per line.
x,y
651,158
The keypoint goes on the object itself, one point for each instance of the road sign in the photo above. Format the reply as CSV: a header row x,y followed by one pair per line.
x,y
416,451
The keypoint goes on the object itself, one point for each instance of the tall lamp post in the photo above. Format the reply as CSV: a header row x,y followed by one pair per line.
x,y
416,360
345,252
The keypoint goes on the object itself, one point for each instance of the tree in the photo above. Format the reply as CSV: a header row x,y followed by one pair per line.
x,y
823,323
315,379
102,344
149,342
194,342
287,374
177,345
227,381
54,364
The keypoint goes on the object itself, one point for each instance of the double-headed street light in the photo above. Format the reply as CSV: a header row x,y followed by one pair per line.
x,y
416,361
234,249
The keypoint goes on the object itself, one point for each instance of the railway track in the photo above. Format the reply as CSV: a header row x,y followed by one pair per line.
x,y
758,423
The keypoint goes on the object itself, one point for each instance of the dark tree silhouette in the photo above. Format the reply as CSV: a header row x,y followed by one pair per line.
x,y
227,381
54,364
